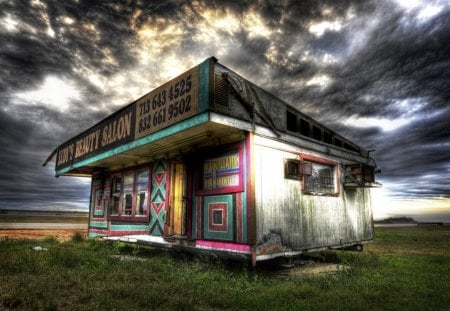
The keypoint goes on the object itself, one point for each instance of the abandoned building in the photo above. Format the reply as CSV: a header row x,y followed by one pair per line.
x,y
209,161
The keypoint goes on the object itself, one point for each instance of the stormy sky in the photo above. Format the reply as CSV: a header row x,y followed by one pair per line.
x,y
377,72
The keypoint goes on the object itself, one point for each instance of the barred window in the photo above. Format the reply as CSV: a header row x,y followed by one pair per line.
x,y
319,178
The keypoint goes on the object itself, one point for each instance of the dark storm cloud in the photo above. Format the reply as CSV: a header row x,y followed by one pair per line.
x,y
400,72
382,62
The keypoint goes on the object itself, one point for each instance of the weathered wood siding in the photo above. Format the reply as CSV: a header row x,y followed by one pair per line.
x,y
306,221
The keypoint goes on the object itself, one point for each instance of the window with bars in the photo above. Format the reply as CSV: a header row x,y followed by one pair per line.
x,y
317,177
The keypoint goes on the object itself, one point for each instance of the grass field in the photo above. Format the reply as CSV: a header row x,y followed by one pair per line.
x,y
404,269
18,216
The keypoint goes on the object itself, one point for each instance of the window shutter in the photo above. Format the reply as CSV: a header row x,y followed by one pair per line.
x,y
307,168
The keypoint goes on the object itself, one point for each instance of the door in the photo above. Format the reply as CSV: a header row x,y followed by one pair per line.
x,y
177,208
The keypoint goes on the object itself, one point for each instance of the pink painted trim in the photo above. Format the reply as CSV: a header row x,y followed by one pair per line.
x,y
250,190
199,208
241,248
239,216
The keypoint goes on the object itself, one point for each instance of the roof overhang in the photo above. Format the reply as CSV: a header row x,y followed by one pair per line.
x,y
175,141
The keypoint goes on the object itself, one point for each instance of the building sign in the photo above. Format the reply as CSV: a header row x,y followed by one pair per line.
x,y
114,131
221,172
170,103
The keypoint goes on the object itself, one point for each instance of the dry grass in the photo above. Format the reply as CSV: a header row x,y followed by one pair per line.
x,y
40,234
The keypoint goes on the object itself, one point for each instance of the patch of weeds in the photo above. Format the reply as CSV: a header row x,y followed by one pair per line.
x,y
50,239
77,237
10,301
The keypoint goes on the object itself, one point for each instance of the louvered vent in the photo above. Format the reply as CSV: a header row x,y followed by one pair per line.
x,y
221,91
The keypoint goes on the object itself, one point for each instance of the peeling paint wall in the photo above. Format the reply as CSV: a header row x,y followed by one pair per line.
x,y
306,221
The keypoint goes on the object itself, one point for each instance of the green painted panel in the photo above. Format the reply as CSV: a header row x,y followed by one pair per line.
x,y
129,227
98,224
225,233
95,235
204,83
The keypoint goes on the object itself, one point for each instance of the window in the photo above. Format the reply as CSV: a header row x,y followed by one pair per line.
x,y
317,133
116,188
318,178
141,194
327,137
97,198
129,194
317,175
292,169
304,127
291,120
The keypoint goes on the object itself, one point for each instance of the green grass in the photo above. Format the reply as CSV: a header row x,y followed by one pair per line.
x,y
405,269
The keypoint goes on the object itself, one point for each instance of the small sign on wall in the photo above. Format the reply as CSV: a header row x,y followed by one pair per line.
x,y
221,172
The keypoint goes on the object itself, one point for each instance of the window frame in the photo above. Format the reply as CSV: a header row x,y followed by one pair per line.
x,y
224,150
288,173
307,158
122,216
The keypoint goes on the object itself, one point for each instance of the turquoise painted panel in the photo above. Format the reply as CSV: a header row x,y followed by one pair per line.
x,y
98,224
129,227
95,235
158,197
212,231
204,82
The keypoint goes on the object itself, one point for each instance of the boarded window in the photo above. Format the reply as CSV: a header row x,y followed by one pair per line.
x,y
221,92
291,121
361,173
292,169
317,133
304,127
351,147
327,137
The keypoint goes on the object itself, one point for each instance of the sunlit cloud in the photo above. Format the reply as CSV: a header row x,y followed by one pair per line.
x,y
422,9
318,29
9,23
255,25
54,93
320,80
384,124
156,36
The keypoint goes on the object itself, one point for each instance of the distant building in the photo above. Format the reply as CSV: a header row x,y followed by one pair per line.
x,y
210,161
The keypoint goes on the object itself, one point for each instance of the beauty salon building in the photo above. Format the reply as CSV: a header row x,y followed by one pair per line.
x,y
210,161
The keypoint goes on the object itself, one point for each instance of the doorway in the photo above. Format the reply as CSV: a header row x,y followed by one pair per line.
x,y
177,205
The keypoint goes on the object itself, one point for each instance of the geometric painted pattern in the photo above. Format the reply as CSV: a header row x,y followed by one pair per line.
x,y
158,197
218,217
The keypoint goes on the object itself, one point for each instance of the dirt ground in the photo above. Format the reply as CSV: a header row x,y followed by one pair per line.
x,y
39,234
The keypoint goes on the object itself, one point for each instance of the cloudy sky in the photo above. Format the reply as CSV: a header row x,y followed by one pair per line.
x,y
377,72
